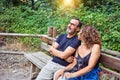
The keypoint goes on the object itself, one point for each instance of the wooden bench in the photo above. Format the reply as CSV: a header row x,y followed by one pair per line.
x,y
109,64
39,59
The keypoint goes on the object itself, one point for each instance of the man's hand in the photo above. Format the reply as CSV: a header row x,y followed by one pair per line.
x,y
50,49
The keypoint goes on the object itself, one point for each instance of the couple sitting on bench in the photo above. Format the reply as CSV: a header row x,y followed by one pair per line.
x,y
75,58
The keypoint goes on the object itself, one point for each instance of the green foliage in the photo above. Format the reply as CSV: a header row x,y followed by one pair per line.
x,y
9,3
104,15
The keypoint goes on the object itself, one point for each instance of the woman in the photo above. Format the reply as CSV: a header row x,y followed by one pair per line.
x,y
86,62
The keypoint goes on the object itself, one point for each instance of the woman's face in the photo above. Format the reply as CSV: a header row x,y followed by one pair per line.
x,y
80,37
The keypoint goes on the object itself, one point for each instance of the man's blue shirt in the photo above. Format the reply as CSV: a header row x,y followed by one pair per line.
x,y
64,42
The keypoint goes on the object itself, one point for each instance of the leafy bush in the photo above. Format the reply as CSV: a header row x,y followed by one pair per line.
x,y
103,15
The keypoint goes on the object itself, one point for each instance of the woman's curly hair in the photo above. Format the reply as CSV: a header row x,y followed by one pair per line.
x,y
91,36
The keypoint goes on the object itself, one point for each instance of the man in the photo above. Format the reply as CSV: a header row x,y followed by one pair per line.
x,y
62,50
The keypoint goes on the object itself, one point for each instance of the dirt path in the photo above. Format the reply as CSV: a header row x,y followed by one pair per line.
x,y
13,67
18,74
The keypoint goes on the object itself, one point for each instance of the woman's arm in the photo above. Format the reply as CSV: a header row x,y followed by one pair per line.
x,y
95,54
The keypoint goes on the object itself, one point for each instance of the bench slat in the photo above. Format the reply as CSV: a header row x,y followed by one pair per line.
x,y
38,60
45,46
42,57
47,39
106,70
34,60
110,61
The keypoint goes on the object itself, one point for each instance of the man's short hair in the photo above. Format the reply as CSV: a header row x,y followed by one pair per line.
x,y
80,23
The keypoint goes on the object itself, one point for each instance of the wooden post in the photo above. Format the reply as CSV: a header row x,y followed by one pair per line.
x,y
50,31
32,70
54,32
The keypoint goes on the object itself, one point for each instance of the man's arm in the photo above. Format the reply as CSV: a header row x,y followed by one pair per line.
x,y
67,52
55,45
62,54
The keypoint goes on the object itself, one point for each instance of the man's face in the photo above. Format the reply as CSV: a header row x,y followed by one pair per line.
x,y
72,26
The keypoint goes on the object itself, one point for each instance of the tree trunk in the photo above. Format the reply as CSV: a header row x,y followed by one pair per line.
x,y
32,5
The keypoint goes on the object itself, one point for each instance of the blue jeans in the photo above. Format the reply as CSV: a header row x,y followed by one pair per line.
x,y
92,75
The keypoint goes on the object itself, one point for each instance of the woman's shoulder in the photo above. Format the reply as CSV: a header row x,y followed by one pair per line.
x,y
96,46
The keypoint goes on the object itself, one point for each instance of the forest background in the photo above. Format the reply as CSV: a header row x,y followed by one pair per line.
x,y
35,16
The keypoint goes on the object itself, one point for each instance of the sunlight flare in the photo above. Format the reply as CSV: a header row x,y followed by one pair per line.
x,y
68,3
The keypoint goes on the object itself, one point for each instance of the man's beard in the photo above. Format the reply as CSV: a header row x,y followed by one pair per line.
x,y
70,31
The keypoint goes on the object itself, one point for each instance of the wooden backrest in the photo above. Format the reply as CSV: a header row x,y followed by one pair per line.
x,y
110,65
47,40
110,61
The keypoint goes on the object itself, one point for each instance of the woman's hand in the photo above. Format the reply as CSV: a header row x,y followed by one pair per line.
x,y
60,73
69,75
